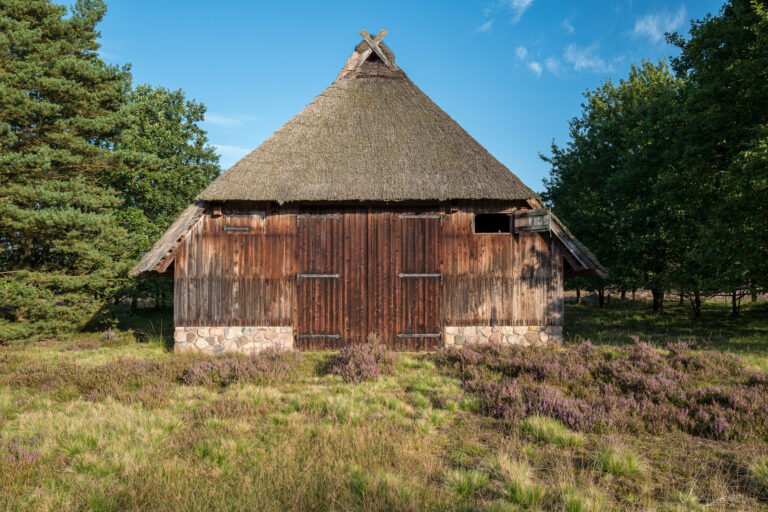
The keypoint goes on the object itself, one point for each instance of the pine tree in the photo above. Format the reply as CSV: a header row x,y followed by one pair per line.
x,y
60,115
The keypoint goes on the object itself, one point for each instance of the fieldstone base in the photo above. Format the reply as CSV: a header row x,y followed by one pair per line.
x,y
504,334
217,340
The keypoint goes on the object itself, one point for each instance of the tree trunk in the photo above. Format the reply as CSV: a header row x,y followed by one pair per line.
x,y
682,297
134,303
696,303
753,294
601,297
578,295
658,300
734,303
634,292
623,295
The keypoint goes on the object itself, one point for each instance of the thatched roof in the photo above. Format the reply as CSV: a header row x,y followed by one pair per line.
x,y
371,136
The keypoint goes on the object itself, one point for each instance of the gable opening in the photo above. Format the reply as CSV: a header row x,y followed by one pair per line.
x,y
493,223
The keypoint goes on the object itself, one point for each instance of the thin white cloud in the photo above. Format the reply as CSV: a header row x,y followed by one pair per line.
x,y
514,9
568,26
231,152
521,52
485,27
109,56
552,65
654,26
518,7
220,120
583,58
535,67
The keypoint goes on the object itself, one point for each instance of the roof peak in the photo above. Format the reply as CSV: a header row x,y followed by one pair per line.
x,y
371,58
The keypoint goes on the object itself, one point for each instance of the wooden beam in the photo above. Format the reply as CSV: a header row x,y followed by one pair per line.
x,y
571,247
373,42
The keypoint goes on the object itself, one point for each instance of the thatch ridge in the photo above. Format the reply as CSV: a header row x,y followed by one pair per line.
x,y
373,135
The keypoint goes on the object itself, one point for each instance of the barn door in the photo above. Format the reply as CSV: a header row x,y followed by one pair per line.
x,y
319,282
418,283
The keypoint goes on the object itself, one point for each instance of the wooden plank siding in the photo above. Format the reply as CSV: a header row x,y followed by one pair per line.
x,y
259,273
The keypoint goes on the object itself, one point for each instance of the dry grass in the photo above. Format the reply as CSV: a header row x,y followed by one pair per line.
x,y
84,426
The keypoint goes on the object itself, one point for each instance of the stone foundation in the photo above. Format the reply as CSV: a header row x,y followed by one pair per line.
x,y
246,340
504,334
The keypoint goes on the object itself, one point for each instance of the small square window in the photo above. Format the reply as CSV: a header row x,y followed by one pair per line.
x,y
493,223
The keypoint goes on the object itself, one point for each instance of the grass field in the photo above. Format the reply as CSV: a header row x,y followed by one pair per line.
x,y
106,423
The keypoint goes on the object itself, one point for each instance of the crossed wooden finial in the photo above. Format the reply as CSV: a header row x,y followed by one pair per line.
x,y
373,46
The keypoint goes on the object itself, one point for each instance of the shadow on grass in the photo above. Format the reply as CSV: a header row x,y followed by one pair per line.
x,y
717,328
146,325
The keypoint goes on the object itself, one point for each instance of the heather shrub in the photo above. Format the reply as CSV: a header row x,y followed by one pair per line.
x,y
634,389
225,408
21,452
265,367
148,382
127,380
517,399
364,361
80,346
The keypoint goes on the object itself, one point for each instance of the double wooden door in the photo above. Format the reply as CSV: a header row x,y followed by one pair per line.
x,y
369,272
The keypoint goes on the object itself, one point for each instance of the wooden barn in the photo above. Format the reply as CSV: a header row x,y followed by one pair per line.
x,y
371,212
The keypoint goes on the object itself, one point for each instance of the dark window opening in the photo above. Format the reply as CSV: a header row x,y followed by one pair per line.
x,y
492,223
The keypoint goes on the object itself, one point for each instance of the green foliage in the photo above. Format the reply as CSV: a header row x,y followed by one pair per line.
x,y
167,161
60,114
547,430
759,471
467,483
619,461
718,180
662,174
604,182
517,479
91,171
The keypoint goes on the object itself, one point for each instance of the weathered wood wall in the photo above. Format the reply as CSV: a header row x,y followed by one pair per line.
x,y
336,275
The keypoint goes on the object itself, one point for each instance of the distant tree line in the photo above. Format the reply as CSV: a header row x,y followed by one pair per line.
x,y
665,175
92,170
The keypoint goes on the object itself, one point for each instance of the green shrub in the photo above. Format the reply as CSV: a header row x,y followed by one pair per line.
x,y
578,499
547,430
619,461
517,479
467,483
759,471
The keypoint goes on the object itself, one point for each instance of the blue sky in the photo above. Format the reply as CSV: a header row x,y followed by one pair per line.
x,y
512,72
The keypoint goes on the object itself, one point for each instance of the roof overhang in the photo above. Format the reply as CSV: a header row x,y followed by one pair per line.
x,y
581,260
160,257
